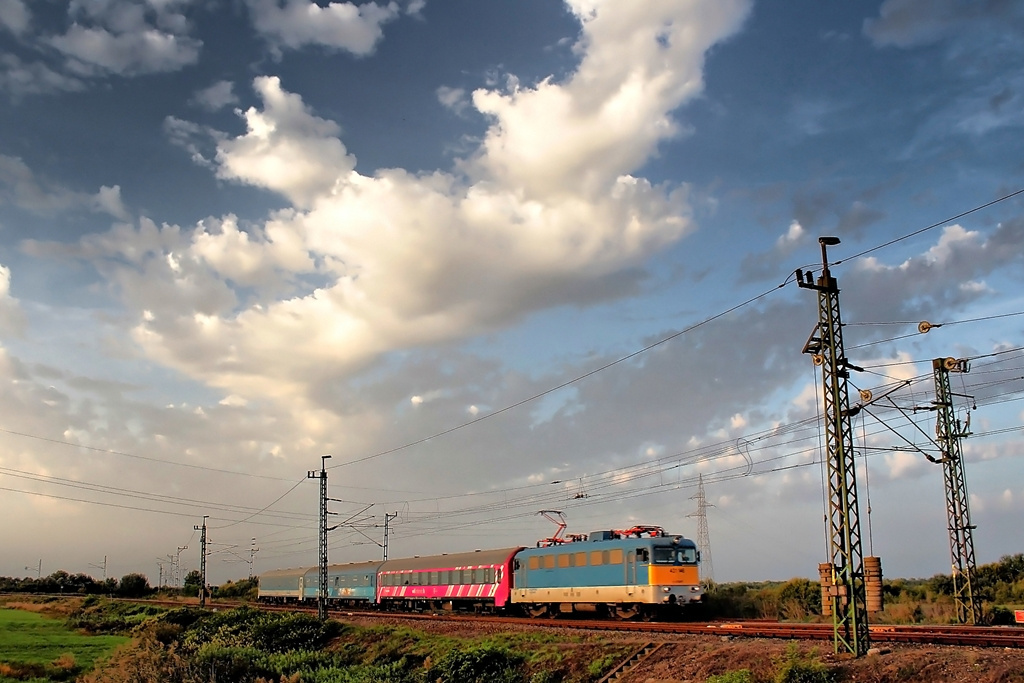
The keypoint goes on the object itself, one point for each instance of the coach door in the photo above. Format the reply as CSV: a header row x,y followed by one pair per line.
x,y
630,566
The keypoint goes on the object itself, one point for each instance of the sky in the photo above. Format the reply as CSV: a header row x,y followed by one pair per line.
x,y
494,259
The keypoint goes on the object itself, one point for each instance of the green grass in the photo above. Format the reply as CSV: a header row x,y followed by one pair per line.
x,y
37,648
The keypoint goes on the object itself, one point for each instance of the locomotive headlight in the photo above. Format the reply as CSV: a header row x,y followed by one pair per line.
x,y
666,589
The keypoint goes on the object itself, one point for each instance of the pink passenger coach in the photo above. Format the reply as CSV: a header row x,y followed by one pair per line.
x,y
478,581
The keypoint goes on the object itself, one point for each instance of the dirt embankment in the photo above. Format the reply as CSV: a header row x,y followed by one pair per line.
x,y
694,659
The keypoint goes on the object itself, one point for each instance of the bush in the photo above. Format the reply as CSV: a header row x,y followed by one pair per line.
x,y
796,668
741,676
134,586
481,665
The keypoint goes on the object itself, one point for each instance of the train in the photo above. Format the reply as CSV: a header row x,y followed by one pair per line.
x,y
637,572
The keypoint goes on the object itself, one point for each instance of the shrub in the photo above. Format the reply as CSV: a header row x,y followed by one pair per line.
x,y
741,676
796,668
481,665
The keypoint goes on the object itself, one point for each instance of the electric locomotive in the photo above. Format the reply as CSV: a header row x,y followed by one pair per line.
x,y
635,572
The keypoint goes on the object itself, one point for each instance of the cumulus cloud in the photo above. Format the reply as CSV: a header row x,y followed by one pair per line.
x,y
96,50
127,37
12,320
14,16
453,98
100,39
108,200
22,78
215,97
286,149
339,25
545,213
911,23
23,188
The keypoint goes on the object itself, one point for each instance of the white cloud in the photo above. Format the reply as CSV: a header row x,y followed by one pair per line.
x,y
640,61
286,149
12,320
339,25
904,464
34,78
215,97
21,187
142,51
792,237
545,214
108,200
912,23
14,16
453,98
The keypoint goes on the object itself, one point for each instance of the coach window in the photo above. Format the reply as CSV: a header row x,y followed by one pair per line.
x,y
489,575
581,559
549,562
615,556
595,558
642,555
686,555
563,560
435,578
534,562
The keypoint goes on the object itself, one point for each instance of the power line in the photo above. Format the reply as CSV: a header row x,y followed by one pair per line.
x,y
139,457
929,227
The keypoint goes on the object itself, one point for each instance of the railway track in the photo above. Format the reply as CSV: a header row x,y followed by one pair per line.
x,y
974,636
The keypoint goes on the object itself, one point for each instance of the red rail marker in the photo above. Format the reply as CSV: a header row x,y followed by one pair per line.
x,y
1018,616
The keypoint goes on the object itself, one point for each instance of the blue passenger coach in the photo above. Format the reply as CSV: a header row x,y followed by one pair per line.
x,y
350,584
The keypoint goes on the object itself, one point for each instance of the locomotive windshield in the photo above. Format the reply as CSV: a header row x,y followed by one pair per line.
x,y
672,555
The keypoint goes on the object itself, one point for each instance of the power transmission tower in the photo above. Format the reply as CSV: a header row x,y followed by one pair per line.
x,y
847,591
252,557
707,567
387,519
202,562
321,601
950,431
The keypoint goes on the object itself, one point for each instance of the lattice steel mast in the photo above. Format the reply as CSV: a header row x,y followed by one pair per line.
x,y
321,600
202,561
949,432
849,607
707,567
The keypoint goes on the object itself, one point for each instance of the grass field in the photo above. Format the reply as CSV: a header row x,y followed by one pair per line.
x,y
36,648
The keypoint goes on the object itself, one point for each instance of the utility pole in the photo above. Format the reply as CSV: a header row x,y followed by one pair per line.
x,y
202,561
160,568
252,557
846,588
177,565
707,567
387,519
321,602
38,568
950,432
101,566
